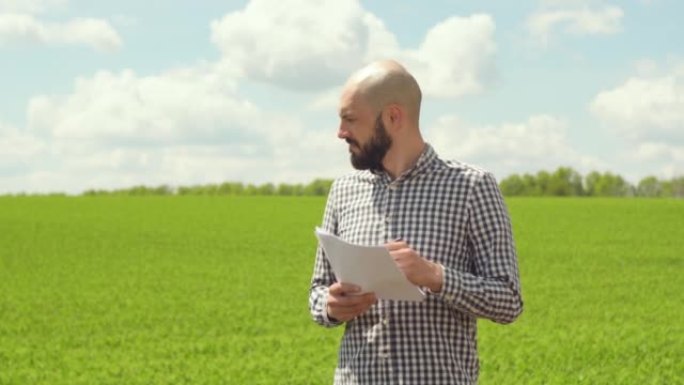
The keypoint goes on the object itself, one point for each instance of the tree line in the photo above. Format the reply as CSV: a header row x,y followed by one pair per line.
x,y
318,187
567,182
563,182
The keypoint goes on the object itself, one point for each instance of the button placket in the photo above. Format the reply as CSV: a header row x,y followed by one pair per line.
x,y
388,211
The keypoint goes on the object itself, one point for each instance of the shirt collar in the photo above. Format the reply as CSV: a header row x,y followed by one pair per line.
x,y
424,162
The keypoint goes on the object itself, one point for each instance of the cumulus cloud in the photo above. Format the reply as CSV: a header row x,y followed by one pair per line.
x,y
315,46
96,33
666,160
18,23
193,105
18,150
300,44
456,56
661,152
540,142
184,126
645,107
648,111
582,20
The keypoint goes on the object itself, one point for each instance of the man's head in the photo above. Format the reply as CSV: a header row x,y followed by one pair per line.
x,y
379,107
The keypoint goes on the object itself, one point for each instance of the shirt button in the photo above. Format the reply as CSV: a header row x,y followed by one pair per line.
x,y
385,321
393,186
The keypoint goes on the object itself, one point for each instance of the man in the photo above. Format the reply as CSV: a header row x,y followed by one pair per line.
x,y
446,227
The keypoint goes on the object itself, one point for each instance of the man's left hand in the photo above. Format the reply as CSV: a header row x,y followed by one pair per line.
x,y
418,270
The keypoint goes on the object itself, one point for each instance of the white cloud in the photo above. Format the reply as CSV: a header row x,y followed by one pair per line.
x,y
315,46
644,107
18,150
661,152
665,160
300,44
583,20
112,130
96,33
456,56
194,105
180,127
647,110
540,143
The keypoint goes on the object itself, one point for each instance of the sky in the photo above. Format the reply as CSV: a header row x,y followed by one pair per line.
x,y
112,94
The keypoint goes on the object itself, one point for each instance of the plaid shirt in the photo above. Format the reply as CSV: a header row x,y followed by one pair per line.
x,y
450,213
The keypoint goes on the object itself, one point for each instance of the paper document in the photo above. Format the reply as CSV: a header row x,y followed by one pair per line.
x,y
370,267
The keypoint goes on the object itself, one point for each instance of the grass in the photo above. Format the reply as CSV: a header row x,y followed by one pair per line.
x,y
213,290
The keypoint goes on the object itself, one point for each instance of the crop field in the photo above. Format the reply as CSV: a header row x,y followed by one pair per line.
x,y
213,290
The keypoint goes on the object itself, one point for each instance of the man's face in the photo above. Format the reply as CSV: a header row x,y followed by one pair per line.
x,y
364,132
370,154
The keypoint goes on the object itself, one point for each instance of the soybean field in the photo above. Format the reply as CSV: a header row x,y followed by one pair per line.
x,y
214,290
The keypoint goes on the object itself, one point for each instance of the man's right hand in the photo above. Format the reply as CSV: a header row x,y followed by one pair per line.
x,y
345,303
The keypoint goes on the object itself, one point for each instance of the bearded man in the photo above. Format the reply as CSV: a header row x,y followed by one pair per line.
x,y
445,225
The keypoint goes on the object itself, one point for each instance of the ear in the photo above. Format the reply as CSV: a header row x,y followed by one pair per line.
x,y
395,117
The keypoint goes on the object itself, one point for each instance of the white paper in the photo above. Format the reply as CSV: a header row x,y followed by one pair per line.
x,y
369,267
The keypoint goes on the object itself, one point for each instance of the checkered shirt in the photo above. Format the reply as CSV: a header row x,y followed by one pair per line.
x,y
452,214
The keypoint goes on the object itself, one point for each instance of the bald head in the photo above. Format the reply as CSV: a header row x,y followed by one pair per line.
x,y
387,82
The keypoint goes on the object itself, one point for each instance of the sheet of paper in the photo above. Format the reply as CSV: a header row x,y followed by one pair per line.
x,y
370,267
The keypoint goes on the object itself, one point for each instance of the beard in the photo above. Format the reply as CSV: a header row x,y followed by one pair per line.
x,y
372,153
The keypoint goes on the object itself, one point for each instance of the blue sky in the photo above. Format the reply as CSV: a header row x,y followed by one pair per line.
x,y
112,94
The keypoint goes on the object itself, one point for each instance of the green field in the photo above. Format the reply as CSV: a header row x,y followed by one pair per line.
x,y
213,290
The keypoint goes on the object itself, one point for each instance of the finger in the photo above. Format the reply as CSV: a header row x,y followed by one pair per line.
x,y
346,313
350,300
354,311
396,245
401,254
341,288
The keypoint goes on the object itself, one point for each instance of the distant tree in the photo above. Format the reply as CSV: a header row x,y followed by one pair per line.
x,y
530,185
95,192
318,187
650,186
565,182
606,184
266,189
251,189
285,189
543,183
678,187
591,182
189,190
513,185
674,187
298,189
162,190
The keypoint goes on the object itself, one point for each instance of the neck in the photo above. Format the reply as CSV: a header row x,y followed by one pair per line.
x,y
403,156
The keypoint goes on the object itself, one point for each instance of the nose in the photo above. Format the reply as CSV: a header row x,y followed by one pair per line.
x,y
342,131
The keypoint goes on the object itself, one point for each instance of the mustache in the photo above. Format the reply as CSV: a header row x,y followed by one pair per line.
x,y
352,141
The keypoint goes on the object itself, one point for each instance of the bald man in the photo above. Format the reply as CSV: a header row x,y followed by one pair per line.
x,y
445,225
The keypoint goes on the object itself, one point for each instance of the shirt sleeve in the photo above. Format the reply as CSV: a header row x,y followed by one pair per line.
x,y
492,288
323,275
